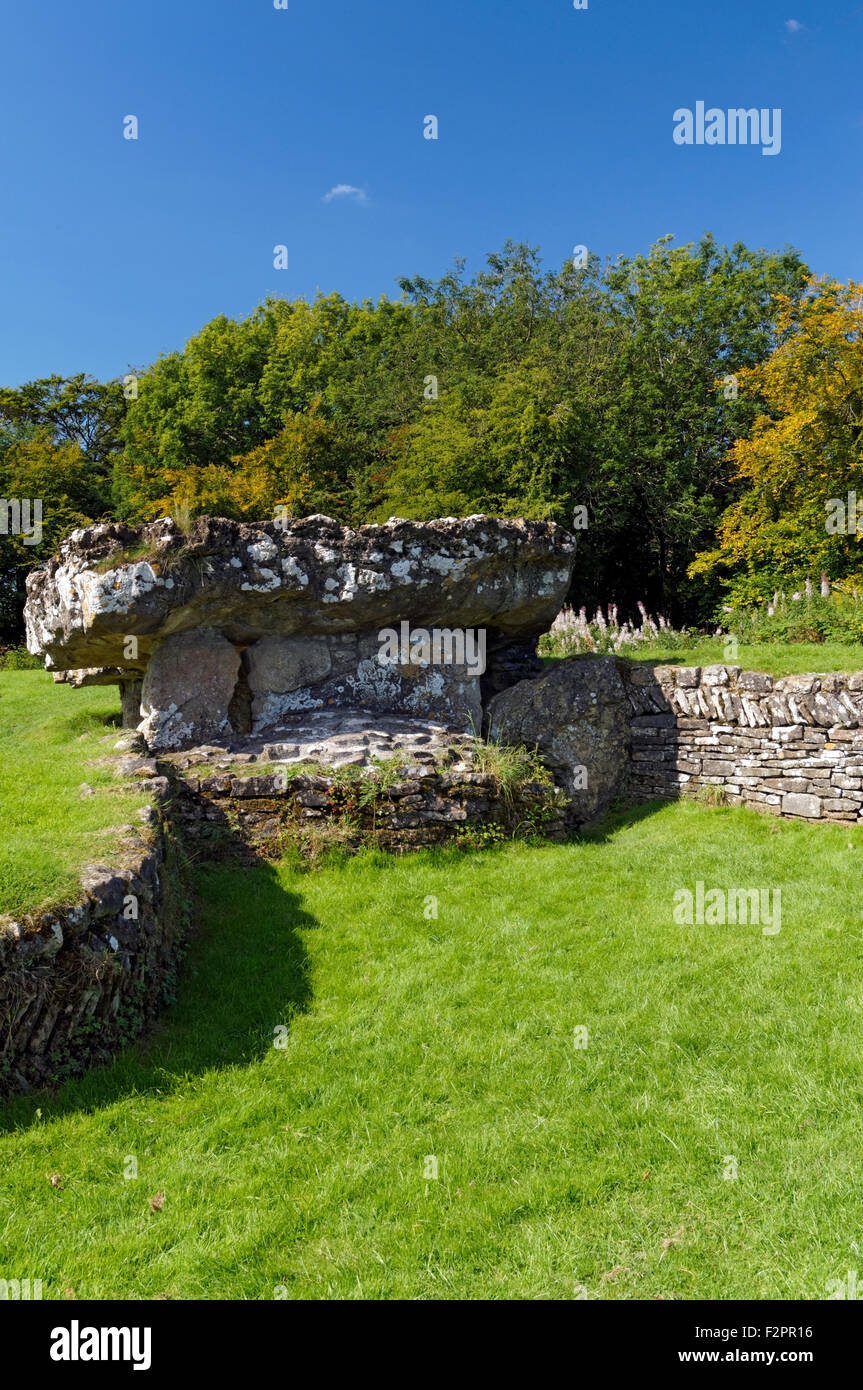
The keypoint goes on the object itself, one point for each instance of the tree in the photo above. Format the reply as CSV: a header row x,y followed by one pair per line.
x,y
595,388
301,468
66,485
515,390
681,318
71,410
58,438
802,454
195,408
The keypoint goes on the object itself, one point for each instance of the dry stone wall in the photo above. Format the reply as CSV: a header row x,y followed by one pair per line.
x,y
78,981
269,812
792,746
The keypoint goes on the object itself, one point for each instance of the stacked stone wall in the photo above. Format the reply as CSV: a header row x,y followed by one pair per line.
x,y
792,746
78,981
271,812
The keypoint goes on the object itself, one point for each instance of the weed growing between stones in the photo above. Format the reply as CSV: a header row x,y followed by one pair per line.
x,y
359,802
512,766
713,795
535,821
356,788
483,836
322,844
168,549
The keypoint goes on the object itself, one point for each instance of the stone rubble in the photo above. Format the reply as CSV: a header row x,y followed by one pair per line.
x,y
333,738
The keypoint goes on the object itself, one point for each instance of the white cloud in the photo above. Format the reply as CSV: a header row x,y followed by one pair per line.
x,y
794,26
345,190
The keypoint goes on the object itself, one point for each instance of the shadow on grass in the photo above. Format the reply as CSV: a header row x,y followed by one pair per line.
x,y
620,816
91,721
245,975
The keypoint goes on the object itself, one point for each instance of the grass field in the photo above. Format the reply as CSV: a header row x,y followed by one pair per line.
x,y
303,1170
49,737
417,1044
777,659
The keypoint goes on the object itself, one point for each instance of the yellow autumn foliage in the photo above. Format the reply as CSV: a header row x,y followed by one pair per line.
x,y
803,453
283,472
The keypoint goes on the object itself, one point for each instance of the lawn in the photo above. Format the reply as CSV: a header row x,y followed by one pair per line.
x,y
415,1045
776,658
50,736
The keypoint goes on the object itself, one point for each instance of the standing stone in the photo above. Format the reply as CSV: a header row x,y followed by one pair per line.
x,y
187,690
130,698
283,667
292,674
577,716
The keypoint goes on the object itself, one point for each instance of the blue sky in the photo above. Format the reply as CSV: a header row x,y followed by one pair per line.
x,y
555,127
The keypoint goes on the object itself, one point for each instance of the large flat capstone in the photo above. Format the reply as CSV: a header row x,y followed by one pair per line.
x,y
233,627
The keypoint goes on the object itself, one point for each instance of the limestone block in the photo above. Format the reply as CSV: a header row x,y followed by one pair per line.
x,y
795,804
576,716
187,690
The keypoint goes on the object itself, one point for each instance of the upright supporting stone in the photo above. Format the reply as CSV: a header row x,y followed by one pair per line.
x,y
577,717
188,688
291,674
130,698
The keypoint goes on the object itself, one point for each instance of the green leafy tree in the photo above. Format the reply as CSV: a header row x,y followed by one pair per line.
x,y
516,391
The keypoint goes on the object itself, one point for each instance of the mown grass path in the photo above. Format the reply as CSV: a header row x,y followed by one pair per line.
x,y
300,1171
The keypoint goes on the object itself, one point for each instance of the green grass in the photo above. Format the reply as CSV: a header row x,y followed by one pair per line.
x,y
559,1168
49,734
776,658
410,1036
